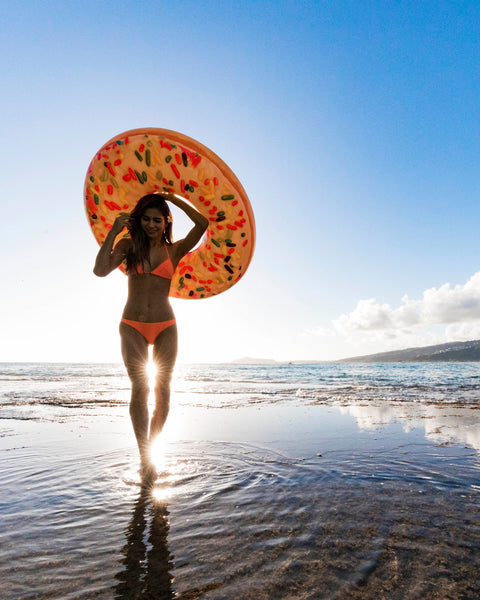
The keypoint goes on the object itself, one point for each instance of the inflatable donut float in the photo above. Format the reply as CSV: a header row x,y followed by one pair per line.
x,y
143,161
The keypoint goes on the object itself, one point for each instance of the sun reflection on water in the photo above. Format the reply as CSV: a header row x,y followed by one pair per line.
x,y
161,493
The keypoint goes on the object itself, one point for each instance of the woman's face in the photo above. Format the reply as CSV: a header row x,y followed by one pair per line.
x,y
153,223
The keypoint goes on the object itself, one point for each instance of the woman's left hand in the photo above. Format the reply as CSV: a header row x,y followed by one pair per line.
x,y
169,196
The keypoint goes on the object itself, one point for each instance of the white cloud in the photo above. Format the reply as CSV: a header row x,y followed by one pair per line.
x,y
454,306
462,331
319,331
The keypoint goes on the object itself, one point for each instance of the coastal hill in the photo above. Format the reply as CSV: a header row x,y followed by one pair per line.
x,y
453,351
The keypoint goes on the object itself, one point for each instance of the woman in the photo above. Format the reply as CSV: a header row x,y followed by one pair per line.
x,y
151,258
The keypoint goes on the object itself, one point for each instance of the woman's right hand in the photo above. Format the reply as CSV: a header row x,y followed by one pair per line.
x,y
109,257
121,222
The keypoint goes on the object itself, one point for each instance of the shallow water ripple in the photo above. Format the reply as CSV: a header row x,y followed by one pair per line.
x,y
228,520
310,530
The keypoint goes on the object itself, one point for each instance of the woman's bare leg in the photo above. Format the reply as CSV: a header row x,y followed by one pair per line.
x,y
135,357
164,356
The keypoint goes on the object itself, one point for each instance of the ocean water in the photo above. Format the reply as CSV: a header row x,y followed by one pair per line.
x,y
276,481
88,385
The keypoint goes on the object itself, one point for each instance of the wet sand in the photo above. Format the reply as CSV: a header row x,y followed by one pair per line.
x,y
263,501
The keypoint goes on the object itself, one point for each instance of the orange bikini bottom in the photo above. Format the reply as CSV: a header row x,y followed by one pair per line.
x,y
150,331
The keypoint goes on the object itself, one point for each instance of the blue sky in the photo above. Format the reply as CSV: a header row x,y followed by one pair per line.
x,y
353,127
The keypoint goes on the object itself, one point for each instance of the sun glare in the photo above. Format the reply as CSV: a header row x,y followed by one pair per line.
x,y
151,371
161,494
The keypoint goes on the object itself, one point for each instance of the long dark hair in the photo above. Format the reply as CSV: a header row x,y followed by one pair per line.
x,y
140,250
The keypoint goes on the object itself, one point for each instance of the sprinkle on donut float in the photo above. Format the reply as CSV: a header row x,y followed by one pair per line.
x,y
143,161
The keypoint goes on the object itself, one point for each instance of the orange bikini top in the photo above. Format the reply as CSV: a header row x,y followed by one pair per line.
x,y
164,269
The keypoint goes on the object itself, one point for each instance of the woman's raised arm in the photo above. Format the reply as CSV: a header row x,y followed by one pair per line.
x,y
199,228
109,257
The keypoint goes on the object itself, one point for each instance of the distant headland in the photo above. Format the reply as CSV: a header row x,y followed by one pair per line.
x,y
452,351
449,352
